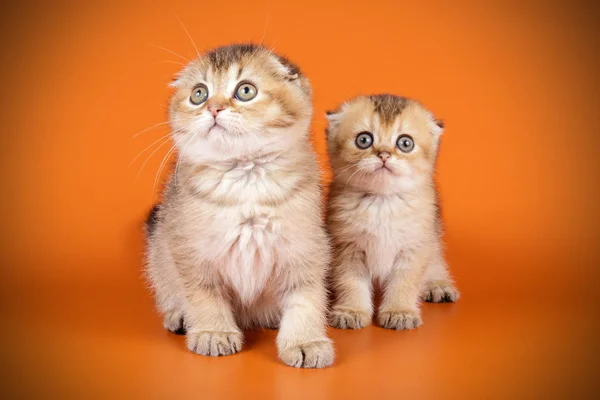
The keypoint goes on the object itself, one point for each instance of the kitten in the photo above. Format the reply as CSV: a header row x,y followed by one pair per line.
x,y
238,241
382,212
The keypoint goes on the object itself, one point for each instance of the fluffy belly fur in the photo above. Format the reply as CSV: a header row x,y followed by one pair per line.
x,y
250,255
383,243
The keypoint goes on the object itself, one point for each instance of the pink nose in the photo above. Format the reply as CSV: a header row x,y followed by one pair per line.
x,y
215,109
384,155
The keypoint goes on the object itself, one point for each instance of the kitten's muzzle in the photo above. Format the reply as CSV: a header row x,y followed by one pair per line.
x,y
384,156
215,108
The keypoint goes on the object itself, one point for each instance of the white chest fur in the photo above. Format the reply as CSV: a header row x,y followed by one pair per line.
x,y
244,224
249,256
257,180
387,228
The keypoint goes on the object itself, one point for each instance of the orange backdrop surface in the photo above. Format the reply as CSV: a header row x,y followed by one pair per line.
x,y
517,84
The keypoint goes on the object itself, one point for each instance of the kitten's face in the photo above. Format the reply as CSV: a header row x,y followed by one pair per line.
x,y
382,144
237,101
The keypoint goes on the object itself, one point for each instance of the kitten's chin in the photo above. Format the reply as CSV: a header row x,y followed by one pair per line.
x,y
384,181
383,171
219,144
217,130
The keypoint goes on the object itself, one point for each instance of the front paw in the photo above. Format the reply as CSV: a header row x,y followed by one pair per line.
x,y
440,292
399,320
316,354
344,318
173,322
210,343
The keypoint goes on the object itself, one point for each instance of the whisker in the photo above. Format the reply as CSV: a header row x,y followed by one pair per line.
x,y
170,51
150,128
177,163
246,130
172,62
264,29
260,42
162,164
256,127
346,169
148,159
359,169
153,143
187,33
364,172
180,152
272,48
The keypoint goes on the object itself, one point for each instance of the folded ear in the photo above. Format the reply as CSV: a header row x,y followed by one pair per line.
x,y
177,80
175,83
287,69
333,122
290,72
437,127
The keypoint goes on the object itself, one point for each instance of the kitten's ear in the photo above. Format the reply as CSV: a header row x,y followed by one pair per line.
x,y
437,127
287,69
333,122
291,73
177,80
175,83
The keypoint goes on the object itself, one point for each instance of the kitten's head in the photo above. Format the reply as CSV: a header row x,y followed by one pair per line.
x,y
383,143
236,101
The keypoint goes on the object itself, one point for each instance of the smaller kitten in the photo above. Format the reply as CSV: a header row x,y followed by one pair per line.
x,y
383,215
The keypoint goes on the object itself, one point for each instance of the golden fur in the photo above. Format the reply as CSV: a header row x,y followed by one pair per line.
x,y
384,222
238,241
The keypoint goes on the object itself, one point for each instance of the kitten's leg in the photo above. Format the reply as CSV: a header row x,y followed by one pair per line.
x,y
353,306
263,313
399,308
164,279
438,286
267,313
302,341
209,320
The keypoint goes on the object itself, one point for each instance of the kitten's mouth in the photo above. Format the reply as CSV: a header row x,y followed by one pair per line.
x,y
216,127
384,169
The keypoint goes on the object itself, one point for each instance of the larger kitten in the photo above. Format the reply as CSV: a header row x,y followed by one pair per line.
x,y
238,240
382,212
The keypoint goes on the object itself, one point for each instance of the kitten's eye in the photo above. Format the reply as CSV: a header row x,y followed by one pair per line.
x,y
405,143
199,95
364,140
246,92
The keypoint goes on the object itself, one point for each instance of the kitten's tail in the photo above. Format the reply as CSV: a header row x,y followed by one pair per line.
x,y
152,220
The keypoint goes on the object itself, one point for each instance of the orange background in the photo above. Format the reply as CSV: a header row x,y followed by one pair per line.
x,y
517,84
